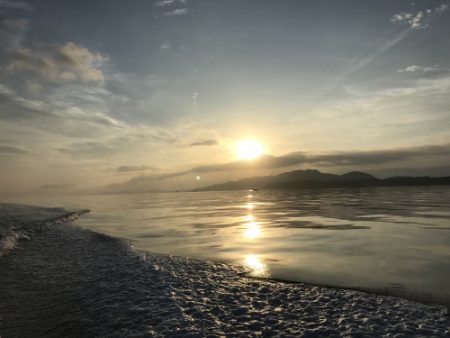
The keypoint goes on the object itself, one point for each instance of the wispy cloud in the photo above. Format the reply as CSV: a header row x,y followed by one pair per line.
x,y
12,150
165,45
177,12
56,186
365,61
416,68
78,114
203,143
420,87
15,4
86,150
131,168
12,32
164,3
362,62
5,90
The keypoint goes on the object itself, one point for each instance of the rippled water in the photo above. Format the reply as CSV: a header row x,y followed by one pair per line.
x,y
393,239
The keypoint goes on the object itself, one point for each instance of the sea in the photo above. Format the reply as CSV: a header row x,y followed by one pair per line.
x,y
389,240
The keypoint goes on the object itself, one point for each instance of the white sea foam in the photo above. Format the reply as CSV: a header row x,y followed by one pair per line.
x,y
70,282
18,221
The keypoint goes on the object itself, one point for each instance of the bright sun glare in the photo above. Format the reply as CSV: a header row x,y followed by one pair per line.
x,y
248,149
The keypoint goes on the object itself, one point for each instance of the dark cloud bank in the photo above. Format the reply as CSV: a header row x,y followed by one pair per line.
x,y
432,154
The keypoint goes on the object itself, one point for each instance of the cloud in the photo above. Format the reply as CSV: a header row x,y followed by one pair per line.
x,y
130,168
11,150
12,32
413,20
381,156
164,3
203,143
56,186
69,116
416,21
15,5
373,100
14,107
441,8
5,90
165,45
362,62
177,12
416,68
59,63
420,87
355,159
78,114
86,150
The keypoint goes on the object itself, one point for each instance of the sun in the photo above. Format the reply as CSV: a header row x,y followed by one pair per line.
x,y
248,149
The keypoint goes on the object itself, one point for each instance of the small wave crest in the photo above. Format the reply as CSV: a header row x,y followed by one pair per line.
x,y
19,222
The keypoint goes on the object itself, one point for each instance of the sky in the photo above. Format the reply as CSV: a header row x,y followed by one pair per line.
x,y
141,95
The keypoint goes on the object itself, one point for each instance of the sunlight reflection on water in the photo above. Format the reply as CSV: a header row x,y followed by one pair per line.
x,y
257,267
252,229
373,237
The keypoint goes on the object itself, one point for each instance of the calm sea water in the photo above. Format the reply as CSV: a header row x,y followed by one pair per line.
x,y
392,239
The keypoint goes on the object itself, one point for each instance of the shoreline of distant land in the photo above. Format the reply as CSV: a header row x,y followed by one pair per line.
x,y
312,178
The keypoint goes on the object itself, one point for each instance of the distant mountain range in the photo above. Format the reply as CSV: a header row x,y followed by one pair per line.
x,y
299,179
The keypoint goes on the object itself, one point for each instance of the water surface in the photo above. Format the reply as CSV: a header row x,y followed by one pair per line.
x,y
391,239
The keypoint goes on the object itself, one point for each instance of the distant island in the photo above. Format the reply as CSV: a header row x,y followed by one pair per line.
x,y
311,178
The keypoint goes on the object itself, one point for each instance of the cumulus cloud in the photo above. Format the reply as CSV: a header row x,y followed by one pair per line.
x,y
416,20
59,63
177,12
413,20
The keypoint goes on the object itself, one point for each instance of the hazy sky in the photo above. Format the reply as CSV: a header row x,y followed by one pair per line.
x,y
151,94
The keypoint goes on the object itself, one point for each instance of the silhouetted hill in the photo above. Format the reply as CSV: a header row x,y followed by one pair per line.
x,y
312,178
357,176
